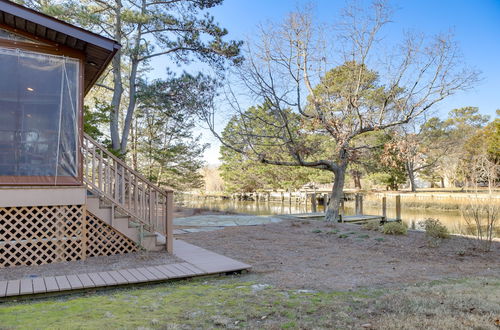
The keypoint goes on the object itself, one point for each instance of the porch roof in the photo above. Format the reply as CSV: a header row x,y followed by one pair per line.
x,y
98,50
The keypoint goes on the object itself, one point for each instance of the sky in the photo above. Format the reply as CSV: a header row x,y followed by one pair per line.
x,y
475,25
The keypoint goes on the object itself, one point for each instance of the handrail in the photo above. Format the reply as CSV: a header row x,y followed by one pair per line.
x,y
121,162
111,178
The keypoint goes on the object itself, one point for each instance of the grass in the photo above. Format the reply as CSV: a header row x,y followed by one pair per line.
x,y
232,302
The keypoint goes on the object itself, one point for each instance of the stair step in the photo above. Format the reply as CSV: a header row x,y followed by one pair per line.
x,y
123,223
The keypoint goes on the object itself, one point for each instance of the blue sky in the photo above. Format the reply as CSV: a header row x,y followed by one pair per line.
x,y
475,24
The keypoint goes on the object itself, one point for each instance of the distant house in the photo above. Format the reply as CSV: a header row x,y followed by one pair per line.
x,y
63,196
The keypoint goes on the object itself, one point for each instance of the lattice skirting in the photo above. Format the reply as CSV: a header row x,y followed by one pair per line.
x,y
103,240
36,235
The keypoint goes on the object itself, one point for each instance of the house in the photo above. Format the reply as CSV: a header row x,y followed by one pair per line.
x,y
63,196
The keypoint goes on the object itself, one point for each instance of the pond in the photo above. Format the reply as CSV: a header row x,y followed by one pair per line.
x,y
452,219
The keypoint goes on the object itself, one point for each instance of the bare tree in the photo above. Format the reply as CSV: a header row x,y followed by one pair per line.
x,y
317,111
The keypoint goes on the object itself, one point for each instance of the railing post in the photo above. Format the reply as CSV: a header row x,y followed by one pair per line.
x,y
169,221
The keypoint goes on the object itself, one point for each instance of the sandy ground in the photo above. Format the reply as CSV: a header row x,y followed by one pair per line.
x,y
93,264
293,254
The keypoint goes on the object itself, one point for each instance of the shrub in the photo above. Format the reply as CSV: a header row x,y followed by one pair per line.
x,y
371,225
394,228
482,216
435,229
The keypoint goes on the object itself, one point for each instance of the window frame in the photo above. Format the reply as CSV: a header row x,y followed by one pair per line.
x,y
51,48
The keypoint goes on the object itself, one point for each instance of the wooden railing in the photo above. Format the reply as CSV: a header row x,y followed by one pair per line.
x,y
112,179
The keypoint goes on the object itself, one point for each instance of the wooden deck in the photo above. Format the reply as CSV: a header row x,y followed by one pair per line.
x,y
197,262
347,218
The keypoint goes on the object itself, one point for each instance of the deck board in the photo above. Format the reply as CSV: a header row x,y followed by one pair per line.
x,y
149,276
176,273
96,279
3,288
13,287
26,286
63,283
86,280
184,271
50,284
39,285
138,275
108,280
118,277
159,275
195,261
164,269
128,276
74,282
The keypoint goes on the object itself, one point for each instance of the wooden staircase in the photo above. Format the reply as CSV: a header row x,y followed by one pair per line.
x,y
125,200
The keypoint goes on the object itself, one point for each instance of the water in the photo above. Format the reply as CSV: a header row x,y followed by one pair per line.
x,y
452,219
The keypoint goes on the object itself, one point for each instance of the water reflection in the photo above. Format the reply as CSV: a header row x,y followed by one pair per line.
x,y
452,219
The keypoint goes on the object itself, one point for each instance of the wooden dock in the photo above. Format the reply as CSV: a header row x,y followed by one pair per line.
x,y
347,219
196,262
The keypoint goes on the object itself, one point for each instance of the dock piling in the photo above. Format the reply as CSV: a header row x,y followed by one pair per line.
x,y
398,207
313,202
384,207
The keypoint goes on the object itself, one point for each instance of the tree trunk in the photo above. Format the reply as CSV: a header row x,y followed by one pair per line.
x,y
332,212
134,66
131,106
411,176
117,83
356,176
442,182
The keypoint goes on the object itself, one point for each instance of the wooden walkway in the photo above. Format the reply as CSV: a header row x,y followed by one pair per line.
x,y
197,262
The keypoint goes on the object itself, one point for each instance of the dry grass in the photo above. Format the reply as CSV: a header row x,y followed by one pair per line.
x,y
372,225
452,201
394,228
460,304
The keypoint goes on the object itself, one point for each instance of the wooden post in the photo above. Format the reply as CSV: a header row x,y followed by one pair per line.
x,y
384,207
313,201
342,206
169,221
282,197
398,207
325,202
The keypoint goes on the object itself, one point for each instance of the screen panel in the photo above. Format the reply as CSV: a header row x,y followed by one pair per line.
x,y
38,118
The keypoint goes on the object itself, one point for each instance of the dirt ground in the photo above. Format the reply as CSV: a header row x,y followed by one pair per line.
x,y
315,255
90,265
